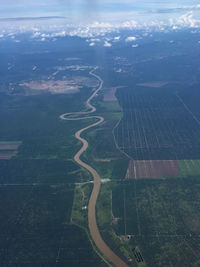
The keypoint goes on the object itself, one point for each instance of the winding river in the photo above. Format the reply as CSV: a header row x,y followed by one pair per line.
x,y
92,223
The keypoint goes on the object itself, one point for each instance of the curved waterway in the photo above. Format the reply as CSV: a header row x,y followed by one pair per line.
x,y
92,223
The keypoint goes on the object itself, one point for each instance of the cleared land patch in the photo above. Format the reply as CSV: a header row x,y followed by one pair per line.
x,y
56,87
152,168
63,85
110,94
8,149
156,84
138,169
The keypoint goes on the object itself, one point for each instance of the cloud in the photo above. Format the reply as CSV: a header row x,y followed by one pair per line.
x,y
130,39
31,18
130,24
107,44
36,34
95,40
95,31
190,7
97,24
176,9
92,44
49,35
185,21
135,45
117,38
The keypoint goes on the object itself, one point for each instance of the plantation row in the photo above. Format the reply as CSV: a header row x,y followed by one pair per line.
x,y
156,125
162,217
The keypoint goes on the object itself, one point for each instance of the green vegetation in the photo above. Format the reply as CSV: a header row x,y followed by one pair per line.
x,y
37,185
44,194
102,152
80,203
107,223
40,171
36,229
161,218
189,168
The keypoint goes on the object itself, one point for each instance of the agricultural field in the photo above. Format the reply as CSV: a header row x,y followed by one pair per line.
x,y
8,149
156,125
161,218
153,169
36,229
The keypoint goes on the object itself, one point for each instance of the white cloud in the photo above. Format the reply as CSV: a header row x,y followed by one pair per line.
x,y
130,24
192,7
107,44
116,37
36,34
92,44
130,39
99,30
97,24
135,45
185,21
95,40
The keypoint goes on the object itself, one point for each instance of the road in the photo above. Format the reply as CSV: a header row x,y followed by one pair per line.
x,y
92,223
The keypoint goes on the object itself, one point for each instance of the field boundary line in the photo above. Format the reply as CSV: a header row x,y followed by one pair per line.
x,y
188,109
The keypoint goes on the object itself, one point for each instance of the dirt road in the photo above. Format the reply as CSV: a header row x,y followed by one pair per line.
x,y
92,224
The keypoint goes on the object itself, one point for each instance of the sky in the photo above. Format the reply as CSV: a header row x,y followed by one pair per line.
x,y
115,13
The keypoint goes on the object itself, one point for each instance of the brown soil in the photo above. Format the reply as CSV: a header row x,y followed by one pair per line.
x,y
57,87
7,154
152,168
8,149
9,146
110,94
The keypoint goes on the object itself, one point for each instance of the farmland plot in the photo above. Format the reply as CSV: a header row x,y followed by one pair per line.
x,y
156,126
155,169
161,218
152,168
8,149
